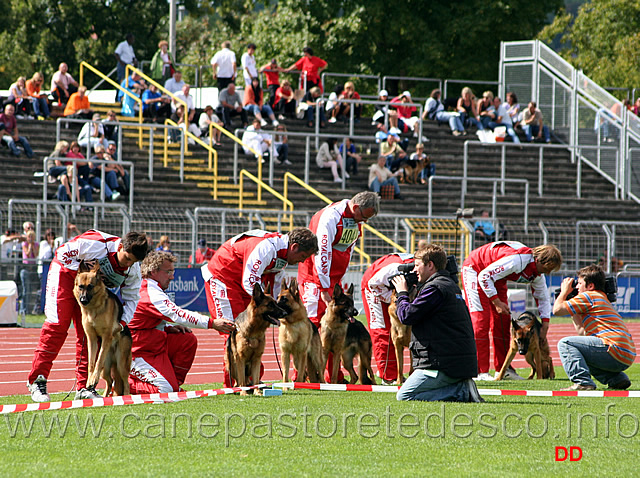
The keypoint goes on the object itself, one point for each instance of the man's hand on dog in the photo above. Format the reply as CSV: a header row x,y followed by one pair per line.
x,y
224,325
400,283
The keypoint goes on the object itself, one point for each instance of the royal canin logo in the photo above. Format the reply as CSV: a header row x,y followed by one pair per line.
x,y
67,257
255,267
497,270
183,314
324,253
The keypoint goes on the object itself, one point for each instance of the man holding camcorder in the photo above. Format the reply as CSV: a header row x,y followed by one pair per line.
x,y
604,347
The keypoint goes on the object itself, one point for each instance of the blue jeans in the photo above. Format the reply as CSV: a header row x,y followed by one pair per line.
x,y
110,183
428,171
14,149
422,386
41,107
376,185
86,195
470,120
532,130
311,114
584,356
255,109
454,120
510,131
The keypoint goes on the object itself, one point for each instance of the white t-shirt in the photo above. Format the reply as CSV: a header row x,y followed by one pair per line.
x,y
248,63
58,77
225,60
187,99
204,117
125,52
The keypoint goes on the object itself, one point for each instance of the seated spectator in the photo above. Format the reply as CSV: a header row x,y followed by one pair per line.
x,y
635,109
403,117
272,73
312,101
57,169
254,103
603,347
203,254
467,108
428,168
434,110
63,85
79,173
380,175
122,175
532,124
332,100
164,244
281,142
110,184
351,156
135,85
514,108
110,129
343,109
329,157
485,231
231,105
393,152
155,105
11,135
380,110
92,132
485,108
503,119
174,84
20,99
161,63
28,274
311,67
39,102
78,105
255,138
208,117
285,101
178,117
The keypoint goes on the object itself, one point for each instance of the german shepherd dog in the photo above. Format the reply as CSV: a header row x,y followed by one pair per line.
x,y
101,312
412,170
358,342
525,339
299,337
333,327
400,338
245,345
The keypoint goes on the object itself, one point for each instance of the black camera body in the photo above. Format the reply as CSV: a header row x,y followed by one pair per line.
x,y
410,276
610,289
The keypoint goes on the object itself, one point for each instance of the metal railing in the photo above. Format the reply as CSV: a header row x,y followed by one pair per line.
x,y
412,78
261,184
467,82
326,74
62,120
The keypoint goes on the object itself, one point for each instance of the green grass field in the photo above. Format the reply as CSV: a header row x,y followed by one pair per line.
x,y
308,433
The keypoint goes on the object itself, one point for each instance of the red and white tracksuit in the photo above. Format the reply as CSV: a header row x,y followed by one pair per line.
x,y
484,275
161,359
252,257
337,233
61,306
376,297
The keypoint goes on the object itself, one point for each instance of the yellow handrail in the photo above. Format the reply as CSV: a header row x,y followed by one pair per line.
x,y
246,173
164,90
84,64
321,196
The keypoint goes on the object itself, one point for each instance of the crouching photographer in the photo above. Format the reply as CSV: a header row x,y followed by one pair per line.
x,y
604,347
442,345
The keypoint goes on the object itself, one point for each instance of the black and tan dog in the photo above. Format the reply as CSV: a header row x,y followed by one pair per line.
x,y
245,345
298,337
101,312
333,327
412,170
358,342
400,338
525,339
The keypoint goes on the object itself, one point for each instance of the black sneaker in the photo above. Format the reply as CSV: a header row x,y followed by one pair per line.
x,y
474,395
621,385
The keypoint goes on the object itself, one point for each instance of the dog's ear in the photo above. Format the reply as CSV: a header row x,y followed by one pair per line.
x,y
83,266
283,284
293,287
267,289
337,290
96,267
258,295
350,290
514,323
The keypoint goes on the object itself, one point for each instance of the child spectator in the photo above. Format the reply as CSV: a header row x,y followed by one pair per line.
x,y
428,169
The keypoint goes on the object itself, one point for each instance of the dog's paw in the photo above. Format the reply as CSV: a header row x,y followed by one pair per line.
x,y
244,393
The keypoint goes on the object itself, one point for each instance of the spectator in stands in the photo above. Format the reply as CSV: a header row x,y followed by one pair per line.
x,y
380,110
311,67
11,135
231,105
467,108
255,138
76,174
39,102
285,101
503,119
164,245
351,156
110,129
514,108
30,249
635,109
393,152
380,175
248,62
161,63
179,118
208,117
484,230
312,100
45,253
532,124
57,169
343,109
434,110
223,65
272,73
203,254
485,108
329,157
78,105
63,85
254,103
175,83
405,119
332,100
428,167
92,132
122,175
155,105
110,184
135,85
125,56
281,142
185,96
20,99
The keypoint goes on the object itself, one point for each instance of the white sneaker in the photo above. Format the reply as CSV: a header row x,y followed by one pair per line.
x,y
287,162
332,120
485,377
337,180
275,123
346,175
115,195
511,374
38,389
263,122
86,393
281,117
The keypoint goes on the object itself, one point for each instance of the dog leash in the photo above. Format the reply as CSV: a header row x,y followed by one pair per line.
x,y
273,336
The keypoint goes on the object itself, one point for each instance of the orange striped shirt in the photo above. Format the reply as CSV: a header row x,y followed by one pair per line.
x,y
601,320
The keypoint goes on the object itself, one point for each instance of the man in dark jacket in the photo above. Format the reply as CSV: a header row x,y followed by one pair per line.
x,y
442,344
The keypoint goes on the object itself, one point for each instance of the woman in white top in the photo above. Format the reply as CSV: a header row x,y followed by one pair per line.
x,y
92,132
329,157
19,96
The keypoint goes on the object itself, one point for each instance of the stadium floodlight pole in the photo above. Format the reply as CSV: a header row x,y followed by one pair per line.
x,y
172,28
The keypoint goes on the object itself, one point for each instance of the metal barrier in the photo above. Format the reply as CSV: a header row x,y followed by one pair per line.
x,y
62,120
412,78
351,75
466,82
260,185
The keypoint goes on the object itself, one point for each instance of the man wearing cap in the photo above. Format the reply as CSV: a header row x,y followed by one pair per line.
x,y
203,253
401,116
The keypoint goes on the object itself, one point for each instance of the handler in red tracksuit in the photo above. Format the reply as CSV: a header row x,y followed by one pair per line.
x,y
485,274
338,227
249,258
163,345
376,297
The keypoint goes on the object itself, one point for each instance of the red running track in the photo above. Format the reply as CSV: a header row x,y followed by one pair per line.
x,y
17,347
